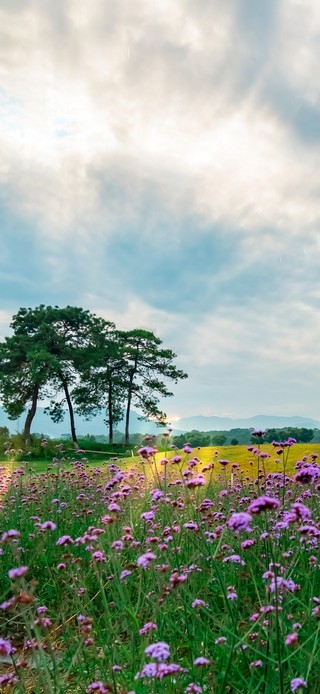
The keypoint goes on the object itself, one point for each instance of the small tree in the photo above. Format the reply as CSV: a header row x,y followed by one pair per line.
x,y
218,439
147,363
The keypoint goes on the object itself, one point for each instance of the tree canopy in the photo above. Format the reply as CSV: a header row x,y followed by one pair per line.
x,y
79,361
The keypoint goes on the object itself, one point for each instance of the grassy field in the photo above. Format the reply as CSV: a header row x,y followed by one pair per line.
x,y
138,577
235,454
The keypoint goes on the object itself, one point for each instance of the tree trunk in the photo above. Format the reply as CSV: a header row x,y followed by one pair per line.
x,y
31,414
126,433
110,414
71,414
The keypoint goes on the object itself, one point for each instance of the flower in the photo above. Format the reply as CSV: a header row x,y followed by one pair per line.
x,y
292,639
240,521
297,683
47,525
199,603
65,540
147,627
17,573
145,559
263,503
5,647
158,651
201,662
98,687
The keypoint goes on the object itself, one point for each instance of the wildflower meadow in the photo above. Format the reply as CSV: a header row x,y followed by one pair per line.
x,y
163,573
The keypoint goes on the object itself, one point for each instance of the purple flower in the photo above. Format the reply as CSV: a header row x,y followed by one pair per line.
x,y
263,503
65,540
297,683
301,511
196,481
47,525
147,516
124,574
240,521
147,451
99,557
201,662
193,688
145,559
292,639
98,687
199,603
117,544
234,559
247,543
5,647
17,573
158,651
10,535
147,627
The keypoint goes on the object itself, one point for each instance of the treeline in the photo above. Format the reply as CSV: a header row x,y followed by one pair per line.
x,y
83,363
236,437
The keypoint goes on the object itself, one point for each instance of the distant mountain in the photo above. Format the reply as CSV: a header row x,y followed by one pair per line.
x,y
214,423
42,424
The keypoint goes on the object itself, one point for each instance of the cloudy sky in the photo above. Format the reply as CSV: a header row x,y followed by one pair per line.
x,y
160,166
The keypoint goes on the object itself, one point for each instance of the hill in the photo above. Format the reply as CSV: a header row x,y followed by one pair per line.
x,y
42,424
202,423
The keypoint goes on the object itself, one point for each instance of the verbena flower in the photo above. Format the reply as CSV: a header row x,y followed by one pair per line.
x,y
263,503
297,683
145,559
19,572
240,521
158,651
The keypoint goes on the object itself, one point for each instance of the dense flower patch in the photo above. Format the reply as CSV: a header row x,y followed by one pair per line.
x,y
161,577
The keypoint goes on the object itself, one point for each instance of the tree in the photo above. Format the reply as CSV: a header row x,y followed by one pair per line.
x,y
74,332
101,386
45,355
146,365
218,439
234,442
24,371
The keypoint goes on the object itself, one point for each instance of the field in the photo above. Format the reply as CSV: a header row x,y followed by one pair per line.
x,y
179,572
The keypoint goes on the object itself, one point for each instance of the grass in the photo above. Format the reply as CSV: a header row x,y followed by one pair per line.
x,y
108,518
235,454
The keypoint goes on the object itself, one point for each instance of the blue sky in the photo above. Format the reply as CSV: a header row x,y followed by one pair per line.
x,y
160,166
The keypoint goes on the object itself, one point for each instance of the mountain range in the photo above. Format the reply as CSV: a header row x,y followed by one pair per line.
x,y
42,424
214,423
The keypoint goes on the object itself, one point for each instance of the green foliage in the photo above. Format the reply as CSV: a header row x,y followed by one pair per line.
x,y
75,359
194,438
218,439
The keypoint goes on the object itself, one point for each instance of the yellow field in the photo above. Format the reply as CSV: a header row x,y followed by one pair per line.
x,y
241,456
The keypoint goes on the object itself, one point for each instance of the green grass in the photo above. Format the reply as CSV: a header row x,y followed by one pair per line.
x,y
119,608
235,454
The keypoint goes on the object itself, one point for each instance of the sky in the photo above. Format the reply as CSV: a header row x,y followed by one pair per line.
x,y
160,166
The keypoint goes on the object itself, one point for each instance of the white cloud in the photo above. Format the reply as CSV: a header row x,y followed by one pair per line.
x,y
120,116
141,95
